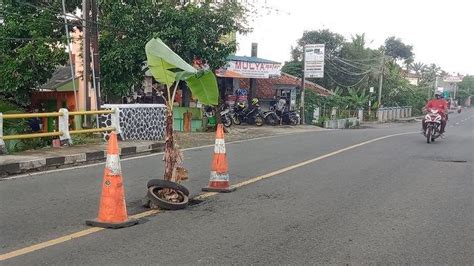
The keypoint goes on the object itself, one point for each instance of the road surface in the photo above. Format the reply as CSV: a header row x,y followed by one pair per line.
x,y
376,195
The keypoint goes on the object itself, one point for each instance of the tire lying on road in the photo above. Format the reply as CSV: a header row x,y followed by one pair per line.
x,y
161,183
155,200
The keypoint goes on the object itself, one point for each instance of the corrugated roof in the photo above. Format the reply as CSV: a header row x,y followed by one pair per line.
x,y
61,76
250,59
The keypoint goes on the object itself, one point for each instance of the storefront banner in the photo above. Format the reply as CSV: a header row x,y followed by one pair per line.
x,y
255,70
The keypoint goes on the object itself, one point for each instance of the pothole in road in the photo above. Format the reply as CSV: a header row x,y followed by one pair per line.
x,y
451,161
194,202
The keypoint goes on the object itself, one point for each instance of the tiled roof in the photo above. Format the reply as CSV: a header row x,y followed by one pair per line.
x,y
266,87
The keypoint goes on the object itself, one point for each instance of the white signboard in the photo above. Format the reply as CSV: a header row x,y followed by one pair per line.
x,y
254,69
453,79
314,61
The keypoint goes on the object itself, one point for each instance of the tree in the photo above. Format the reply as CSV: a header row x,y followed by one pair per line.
x,y
170,69
31,47
466,88
395,48
191,30
333,42
293,68
417,67
429,74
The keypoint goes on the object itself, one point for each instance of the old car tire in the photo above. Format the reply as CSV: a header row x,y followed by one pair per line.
x,y
161,183
164,204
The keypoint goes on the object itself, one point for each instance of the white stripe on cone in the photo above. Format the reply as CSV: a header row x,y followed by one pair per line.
x,y
219,146
113,164
219,177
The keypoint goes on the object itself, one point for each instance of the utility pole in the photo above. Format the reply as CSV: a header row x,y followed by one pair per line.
x,y
86,56
68,38
382,67
303,83
95,52
253,82
435,87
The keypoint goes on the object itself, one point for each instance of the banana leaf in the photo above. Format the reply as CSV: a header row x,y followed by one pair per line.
x,y
167,67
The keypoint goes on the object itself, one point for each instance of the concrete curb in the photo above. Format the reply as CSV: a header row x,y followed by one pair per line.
x,y
39,164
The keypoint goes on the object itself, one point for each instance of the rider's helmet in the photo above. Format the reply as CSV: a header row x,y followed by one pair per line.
x,y
438,94
254,101
241,105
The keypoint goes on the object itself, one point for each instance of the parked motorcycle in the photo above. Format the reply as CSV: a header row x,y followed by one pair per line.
x,y
287,117
246,115
210,113
433,125
271,118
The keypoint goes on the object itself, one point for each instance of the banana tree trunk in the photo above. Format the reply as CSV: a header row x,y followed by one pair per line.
x,y
171,152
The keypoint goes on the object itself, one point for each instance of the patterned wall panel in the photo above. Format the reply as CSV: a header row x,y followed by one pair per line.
x,y
138,121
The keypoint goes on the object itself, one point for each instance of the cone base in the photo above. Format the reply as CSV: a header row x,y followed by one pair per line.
x,y
220,190
127,223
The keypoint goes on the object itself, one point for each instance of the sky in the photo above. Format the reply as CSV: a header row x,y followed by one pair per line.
x,y
441,31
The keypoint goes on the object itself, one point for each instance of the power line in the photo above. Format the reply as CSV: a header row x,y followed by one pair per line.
x,y
43,8
352,64
347,86
348,72
360,60
35,39
43,19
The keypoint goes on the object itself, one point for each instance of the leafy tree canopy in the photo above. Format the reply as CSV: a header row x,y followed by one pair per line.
x,y
395,48
32,39
191,30
31,47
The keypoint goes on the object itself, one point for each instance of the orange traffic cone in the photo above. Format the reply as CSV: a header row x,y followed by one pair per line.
x,y
112,208
219,181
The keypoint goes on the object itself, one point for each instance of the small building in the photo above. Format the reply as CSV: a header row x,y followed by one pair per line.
x,y
56,93
263,79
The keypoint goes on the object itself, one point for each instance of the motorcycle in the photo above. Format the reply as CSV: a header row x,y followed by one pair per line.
x,y
271,118
225,116
433,125
288,117
245,115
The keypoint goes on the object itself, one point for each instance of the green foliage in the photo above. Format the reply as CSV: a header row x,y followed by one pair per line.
x,y
294,68
191,30
18,126
466,88
168,68
395,48
333,41
347,63
31,47
357,99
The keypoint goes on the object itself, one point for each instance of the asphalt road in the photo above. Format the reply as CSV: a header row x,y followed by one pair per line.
x,y
395,200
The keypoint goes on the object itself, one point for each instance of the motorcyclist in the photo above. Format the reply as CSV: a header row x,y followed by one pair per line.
x,y
442,106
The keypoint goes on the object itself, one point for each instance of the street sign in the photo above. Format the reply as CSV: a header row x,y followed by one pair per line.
x,y
371,90
453,79
314,60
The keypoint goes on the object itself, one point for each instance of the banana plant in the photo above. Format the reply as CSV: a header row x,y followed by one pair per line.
x,y
170,69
